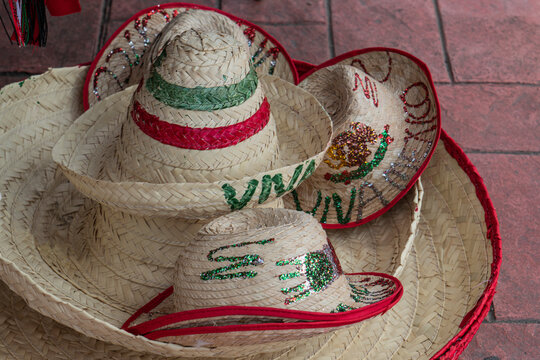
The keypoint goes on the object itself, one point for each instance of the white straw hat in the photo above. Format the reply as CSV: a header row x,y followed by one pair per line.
x,y
449,271
386,121
201,149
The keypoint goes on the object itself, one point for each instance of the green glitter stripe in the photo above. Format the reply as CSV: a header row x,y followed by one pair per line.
x,y
200,98
268,182
289,275
241,261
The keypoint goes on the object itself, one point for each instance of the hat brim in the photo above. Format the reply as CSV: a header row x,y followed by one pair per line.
x,y
370,193
86,151
117,57
27,175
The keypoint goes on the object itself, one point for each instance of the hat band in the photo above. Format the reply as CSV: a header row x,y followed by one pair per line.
x,y
201,98
200,138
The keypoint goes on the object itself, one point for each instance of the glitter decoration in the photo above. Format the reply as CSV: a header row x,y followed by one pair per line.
x,y
342,308
97,73
336,200
358,63
370,89
319,269
419,115
237,262
268,182
140,26
361,294
365,167
355,140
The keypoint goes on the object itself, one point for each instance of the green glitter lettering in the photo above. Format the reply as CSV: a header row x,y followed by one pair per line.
x,y
268,182
239,261
342,308
230,194
279,188
337,204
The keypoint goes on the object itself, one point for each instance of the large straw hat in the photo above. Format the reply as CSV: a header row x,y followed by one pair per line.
x,y
224,141
118,64
423,324
449,269
386,121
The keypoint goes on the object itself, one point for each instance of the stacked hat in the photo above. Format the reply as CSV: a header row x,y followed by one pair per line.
x,y
97,252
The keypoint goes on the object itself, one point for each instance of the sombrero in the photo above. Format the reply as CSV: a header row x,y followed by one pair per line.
x,y
117,65
420,325
386,121
245,271
413,328
202,132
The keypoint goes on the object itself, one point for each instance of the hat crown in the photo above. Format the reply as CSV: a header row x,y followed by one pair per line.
x,y
278,258
200,112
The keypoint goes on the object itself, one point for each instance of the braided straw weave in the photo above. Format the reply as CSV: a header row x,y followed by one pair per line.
x,y
119,63
123,149
443,277
386,124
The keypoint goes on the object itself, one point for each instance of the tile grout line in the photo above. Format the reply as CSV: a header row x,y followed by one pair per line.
x,y
291,23
486,83
330,30
105,17
516,321
501,152
443,41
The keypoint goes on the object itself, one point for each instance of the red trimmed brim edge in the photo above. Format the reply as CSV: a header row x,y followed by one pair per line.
x,y
471,322
86,91
306,69
308,320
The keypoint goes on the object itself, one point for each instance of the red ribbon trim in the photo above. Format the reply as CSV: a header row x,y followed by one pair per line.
x,y
200,138
153,329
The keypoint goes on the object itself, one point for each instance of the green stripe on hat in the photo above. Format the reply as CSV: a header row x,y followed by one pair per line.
x,y
201,98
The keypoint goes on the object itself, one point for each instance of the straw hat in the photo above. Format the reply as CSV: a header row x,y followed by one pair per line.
x,y
269,272
118,64
202,149
449,269
423,324
386,121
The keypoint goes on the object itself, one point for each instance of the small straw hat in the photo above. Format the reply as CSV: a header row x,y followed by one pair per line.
x,y
386,121
118,64
251,270
202,143
441,241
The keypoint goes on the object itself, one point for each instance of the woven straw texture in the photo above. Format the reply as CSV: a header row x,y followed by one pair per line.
x,y
87,156
445,274
386,124
118,65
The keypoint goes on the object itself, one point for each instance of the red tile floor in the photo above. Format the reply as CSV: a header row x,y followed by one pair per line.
x,y
484,56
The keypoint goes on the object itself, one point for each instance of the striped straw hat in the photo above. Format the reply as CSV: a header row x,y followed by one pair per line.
x,y
386,121
202,131
118,64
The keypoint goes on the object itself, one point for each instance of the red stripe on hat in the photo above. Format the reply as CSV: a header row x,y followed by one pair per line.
x,y
200,138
